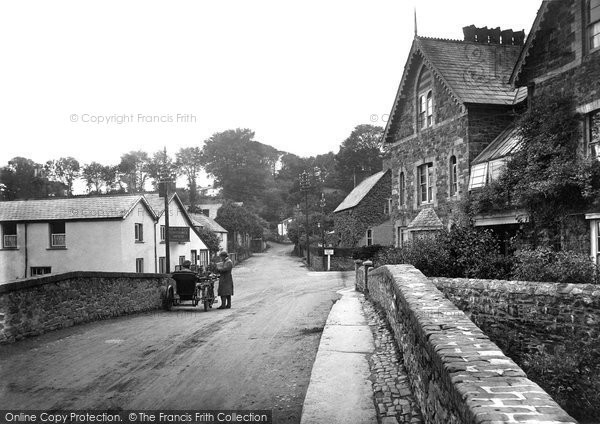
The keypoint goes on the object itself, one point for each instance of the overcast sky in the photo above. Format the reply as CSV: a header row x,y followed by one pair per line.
x,y
301,74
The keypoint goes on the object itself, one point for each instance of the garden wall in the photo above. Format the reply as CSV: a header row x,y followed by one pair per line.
x,y
523,316
36,305
457,374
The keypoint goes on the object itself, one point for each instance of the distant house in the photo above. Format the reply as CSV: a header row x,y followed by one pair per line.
x,y
453,101
203,221
115,233
364,216
282,227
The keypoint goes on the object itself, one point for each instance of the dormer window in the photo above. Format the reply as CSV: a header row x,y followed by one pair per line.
x,y
425,99
594,24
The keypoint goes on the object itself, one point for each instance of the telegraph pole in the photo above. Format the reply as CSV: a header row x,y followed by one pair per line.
x,y
163,189
305,187
322,204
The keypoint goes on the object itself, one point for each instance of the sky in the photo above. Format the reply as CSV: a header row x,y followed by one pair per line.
x,y
96,79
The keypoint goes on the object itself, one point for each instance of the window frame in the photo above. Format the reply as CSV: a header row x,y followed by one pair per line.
x,y
163,233
592,25
402,189
425,188
34,270
592,142
453,180
162,264
369,237
139,265
138,232
13,236
51,228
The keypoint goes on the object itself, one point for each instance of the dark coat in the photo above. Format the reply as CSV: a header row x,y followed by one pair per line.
x,y
225,278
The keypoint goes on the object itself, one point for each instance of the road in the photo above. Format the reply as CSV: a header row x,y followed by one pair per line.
x,y
257,355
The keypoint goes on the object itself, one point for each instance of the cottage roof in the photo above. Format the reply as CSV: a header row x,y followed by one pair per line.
x,y
72,208
359,192
503,145
158,205
204,221
472,72
427,219
537,23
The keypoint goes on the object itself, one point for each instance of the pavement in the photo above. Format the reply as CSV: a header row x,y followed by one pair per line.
x,y
358,375
340,391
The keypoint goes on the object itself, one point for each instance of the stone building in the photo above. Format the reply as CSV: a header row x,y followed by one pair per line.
x,y
453,100
562,55
364,216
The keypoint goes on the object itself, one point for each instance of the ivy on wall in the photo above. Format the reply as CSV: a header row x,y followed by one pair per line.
x,y
351,224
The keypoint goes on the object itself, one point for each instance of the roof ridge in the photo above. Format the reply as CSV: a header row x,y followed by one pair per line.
x,y
475,43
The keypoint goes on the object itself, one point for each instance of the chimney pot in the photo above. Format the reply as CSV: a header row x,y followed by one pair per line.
x,y
469,32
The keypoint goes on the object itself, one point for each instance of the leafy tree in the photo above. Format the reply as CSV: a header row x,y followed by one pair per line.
x,y
23,178
65,171
189,163
240,165
548,176
93,174
133,170
210,239
159,165
360,155
112,177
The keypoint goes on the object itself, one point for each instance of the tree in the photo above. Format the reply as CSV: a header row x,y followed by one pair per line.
x,y
159,165
360,155
65,171
93,174
133,170
548,176
210,239
189,164
239,164
23,178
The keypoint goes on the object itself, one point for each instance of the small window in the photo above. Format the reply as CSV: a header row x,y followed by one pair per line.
x,y
594,134
369,237
58,234
387,207
594,24
425,182
453,176
424,99
162,233
401,236
206,212
194,257
162,265
181,260
402,190
139,232
139,265
478,175
40,270
9,235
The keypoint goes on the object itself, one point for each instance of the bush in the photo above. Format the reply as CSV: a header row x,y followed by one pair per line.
x,y
460,252
544,264
571,377
366,252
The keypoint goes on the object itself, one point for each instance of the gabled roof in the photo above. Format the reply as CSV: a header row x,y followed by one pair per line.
x,y
473,73
427,219
158,205
204,221
360,191
503,145
539,18
72,208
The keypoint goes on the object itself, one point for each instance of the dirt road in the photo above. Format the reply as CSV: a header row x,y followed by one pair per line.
x,y
257,355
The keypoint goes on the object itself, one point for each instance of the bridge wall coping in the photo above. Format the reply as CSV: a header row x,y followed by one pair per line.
x,y
458,375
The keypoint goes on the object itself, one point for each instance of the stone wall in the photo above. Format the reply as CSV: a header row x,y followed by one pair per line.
x,y
38,305
522,315
457,374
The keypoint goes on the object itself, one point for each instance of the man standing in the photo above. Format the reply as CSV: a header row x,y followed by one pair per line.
x,y
225,280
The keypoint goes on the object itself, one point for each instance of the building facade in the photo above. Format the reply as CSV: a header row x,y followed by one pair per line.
x,y
453,101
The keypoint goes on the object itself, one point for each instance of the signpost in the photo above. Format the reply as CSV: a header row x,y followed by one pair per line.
x,y
329,254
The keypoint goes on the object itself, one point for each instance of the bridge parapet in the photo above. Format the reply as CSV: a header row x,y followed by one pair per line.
x,y
37,305
457,374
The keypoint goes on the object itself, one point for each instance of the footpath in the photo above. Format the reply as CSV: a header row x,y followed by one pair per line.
x,y
358,376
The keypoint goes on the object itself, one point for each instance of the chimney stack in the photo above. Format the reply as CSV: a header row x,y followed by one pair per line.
x,y
493,35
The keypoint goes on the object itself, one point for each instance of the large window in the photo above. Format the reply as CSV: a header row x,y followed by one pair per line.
x,y
58,234
425,181
478,175
425,99
594,24
402,190
9,235
453,176
594,133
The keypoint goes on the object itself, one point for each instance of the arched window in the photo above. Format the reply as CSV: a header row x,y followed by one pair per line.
x,y
453,176
425,98
402,190
594,24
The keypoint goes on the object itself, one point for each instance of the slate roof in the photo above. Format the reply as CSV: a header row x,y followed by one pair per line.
x,y
72,208
427,219
204,221
474,72
503,145
359,192
157,203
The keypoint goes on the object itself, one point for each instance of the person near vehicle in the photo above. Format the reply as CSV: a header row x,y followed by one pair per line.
x,y
225,280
